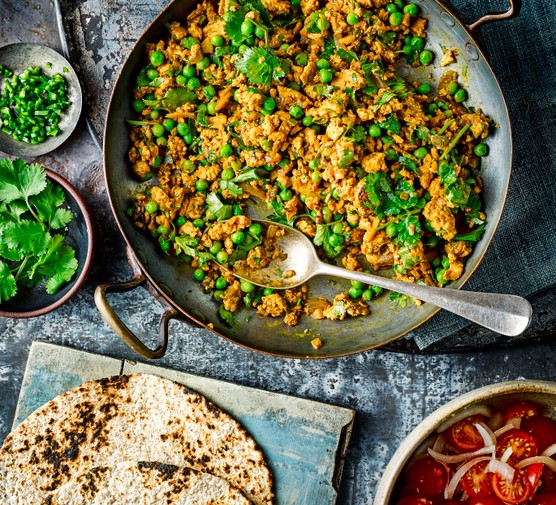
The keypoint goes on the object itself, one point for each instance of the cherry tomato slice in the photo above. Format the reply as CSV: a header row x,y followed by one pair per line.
x,y
464,436
426,477
534,473
542,429
543,499
413,500
476,481
522,444
514,492
520,409
484,500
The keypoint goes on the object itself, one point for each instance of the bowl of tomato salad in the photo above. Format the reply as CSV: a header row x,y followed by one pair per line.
x,y
494,445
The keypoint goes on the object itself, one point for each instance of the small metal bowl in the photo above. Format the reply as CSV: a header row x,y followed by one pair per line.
x,y
18,57
79,235
498,396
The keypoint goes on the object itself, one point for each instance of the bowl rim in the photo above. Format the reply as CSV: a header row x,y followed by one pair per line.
x,y
69,188
426,427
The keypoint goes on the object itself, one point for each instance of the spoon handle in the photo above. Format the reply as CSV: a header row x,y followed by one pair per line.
x,y
505,314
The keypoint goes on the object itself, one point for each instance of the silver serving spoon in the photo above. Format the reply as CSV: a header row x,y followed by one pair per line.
x,y
506,314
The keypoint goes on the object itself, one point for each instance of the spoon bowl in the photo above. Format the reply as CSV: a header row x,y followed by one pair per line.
x,y
298,262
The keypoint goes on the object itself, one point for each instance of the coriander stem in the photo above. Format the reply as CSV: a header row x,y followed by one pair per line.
x,y
455,140
445,127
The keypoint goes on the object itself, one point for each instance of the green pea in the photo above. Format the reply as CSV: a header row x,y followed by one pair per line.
x,y
243,48
296,111
188,138
286,194
188,71
452,87
162,230
411,9
246,286
260,32
375,130
269,103
315,176
420,153
209,91
307,121
138,105
337,228
228,173
222,256
301,59
199,274
267,145
432,108
168,124
352,19
215,247
162,141
220,283
395,18
217,40
201,185
313,164
189,42
355,292
183,128
193,83
198,223
158,130
391,230
157,162
424,89
326,75
225,151
237,237
256,229
164,244
460,95
426,57
323,24
390,8
481,149
204,63
211,107
247,27
218,295
181,221
366,295
151,207
157,58
322,63
418,43
445,262
237,210
268,291
188,165
152,74
391,154
408,49
335,240
440,276
326,214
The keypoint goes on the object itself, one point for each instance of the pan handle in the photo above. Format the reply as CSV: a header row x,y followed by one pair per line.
x,y
512,12
110,316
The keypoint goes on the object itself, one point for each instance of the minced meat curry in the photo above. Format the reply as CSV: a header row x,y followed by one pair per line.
x,y
298,104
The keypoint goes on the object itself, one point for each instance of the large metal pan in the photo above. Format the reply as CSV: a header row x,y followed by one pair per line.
x,y
171,281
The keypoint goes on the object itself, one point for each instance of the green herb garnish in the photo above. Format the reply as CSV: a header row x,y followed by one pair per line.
x,y
30,210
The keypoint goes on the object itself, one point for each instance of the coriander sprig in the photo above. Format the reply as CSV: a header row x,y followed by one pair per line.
x,y
30,211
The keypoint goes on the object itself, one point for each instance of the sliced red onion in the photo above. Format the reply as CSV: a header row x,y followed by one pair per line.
x,y
439,443
475,409
545,460
549,451
506,471
506,427
454,481
458,458
496,421
488,436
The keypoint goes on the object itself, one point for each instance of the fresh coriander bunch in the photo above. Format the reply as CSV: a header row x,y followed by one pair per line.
x,y
31,211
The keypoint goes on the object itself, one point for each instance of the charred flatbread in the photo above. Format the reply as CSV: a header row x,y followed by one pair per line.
x,y
146,483
137,417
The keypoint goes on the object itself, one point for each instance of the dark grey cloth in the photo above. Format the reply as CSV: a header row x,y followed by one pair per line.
x,y
521,259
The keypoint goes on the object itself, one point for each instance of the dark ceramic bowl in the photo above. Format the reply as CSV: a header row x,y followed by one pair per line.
x,y
18,57
79,235
499,396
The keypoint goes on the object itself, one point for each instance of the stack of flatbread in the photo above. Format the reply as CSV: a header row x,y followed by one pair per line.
x,y
132,439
